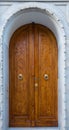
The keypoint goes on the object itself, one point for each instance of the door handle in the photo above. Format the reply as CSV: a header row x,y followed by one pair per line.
x,y
46,77
20,77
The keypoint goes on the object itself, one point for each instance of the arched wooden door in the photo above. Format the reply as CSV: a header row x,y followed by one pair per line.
x,y
33,90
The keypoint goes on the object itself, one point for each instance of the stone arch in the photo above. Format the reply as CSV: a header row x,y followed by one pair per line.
x,y
44,15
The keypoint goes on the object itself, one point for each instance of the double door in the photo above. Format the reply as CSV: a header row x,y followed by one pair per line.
x,y
33,71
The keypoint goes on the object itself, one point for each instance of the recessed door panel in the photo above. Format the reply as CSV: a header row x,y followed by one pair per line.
x,y
33,91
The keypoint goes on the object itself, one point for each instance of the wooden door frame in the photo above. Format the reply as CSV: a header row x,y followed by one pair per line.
x,y
61,59
33,49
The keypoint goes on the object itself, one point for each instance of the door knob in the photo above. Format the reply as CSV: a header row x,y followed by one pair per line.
x,y
46,77
36,85
20,77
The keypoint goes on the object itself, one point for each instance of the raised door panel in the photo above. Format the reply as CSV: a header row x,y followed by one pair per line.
x,y
46,104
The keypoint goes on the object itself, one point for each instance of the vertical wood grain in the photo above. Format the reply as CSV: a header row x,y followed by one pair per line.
x,y
33,52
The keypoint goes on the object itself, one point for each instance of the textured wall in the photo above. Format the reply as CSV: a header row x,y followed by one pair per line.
x,y
34,0
64,8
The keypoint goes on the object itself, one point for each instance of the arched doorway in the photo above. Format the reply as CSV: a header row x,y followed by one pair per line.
x,y
33,56
44,15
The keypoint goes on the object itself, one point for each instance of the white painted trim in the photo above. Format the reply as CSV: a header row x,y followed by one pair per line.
x,y
11,23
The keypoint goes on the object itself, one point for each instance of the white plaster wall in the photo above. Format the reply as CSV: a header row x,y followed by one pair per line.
x,y
34,0
55,26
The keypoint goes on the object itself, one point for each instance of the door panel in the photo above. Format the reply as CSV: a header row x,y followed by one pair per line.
x,y
47,88
21,62
21,67
33,98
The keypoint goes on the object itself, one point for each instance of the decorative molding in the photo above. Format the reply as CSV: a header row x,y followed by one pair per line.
x,y
67,13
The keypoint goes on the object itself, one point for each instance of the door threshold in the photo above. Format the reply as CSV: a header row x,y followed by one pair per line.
x,y
38,128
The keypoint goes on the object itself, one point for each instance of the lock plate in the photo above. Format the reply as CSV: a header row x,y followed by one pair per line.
x,y
36,85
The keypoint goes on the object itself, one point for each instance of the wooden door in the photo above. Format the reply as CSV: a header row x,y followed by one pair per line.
x,y
47,75
33,91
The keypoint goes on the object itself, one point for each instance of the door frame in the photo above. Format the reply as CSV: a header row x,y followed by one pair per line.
x,y
56,26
